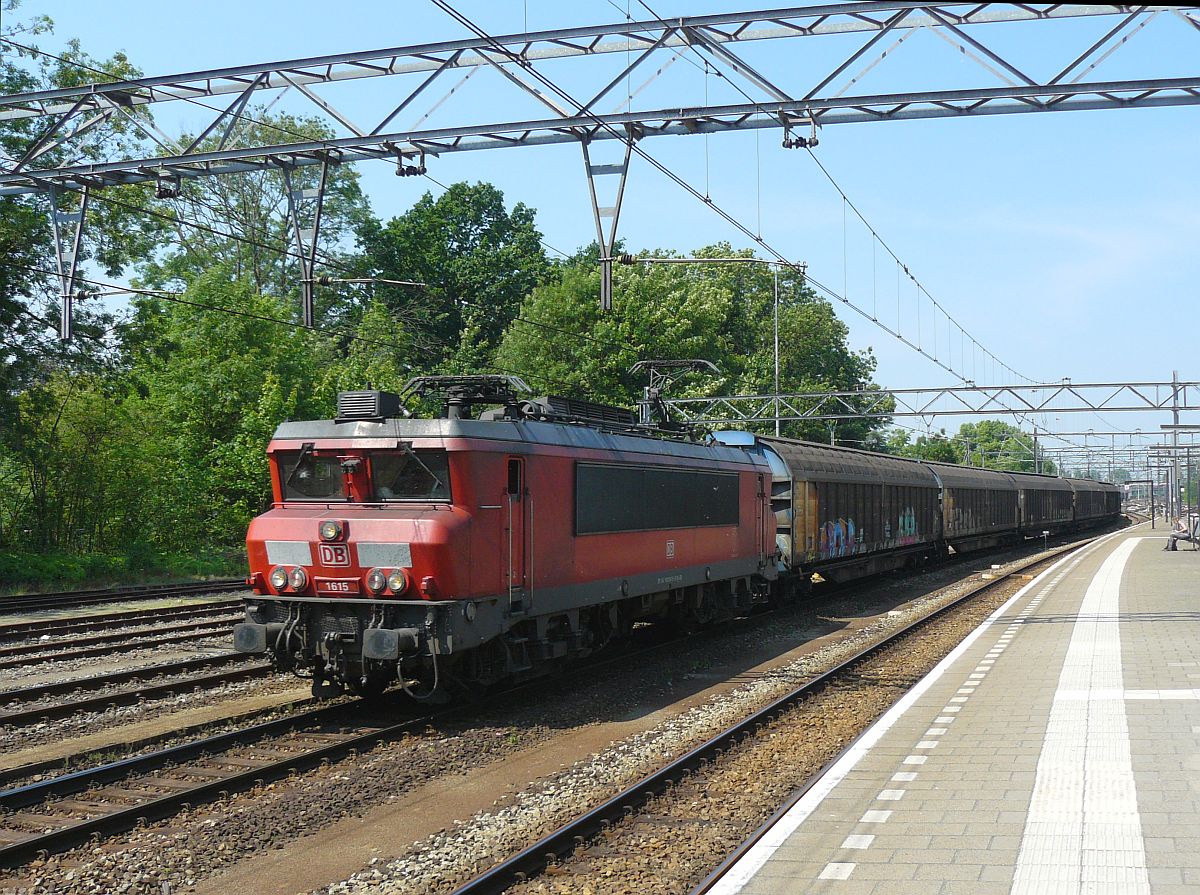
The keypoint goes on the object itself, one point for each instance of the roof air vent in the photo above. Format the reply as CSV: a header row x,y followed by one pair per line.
x,y
367,405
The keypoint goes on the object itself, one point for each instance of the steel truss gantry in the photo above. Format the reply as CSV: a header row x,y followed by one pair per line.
x,y
73,111
929,403
797,108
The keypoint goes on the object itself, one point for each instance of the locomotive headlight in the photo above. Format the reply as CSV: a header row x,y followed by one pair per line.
x,y
330,530
397,582
376,581
298,578
279,578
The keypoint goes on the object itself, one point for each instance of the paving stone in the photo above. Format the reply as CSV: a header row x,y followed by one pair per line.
x,y
1020,741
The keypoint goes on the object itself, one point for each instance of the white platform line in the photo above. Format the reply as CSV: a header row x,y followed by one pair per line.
x,y
741,873
1083,823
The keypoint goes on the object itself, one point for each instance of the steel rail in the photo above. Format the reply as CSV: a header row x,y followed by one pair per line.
x,y
169,804
62,764
123,697
706,885
64,599
108,620
31,794
106,644
567,838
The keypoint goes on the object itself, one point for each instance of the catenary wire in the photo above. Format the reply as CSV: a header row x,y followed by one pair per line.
x,y
846,200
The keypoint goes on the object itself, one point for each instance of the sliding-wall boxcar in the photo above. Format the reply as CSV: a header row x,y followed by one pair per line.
x,y
850,513
980,507
1095,501
1047,503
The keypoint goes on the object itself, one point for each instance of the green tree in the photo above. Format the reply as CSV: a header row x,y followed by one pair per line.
x,y
240,222
936,447
377,356
718,312
565,343
1002,445
64,464
210,389
477,259
114,235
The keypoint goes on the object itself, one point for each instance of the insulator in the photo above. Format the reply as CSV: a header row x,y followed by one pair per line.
x,y
167,187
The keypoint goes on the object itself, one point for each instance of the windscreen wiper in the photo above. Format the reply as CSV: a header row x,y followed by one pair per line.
x,y
305,450
407,448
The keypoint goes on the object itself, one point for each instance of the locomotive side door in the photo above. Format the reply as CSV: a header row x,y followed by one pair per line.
x,y
516,533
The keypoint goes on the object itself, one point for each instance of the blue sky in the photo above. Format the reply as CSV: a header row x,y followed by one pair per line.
x,y
1066,243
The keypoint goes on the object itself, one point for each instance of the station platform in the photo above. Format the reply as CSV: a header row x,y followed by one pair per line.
x,y
1055,751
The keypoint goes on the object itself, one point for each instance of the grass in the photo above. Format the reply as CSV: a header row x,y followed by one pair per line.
x,y
26,572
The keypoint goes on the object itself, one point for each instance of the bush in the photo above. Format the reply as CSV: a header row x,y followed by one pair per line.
x,y
140,564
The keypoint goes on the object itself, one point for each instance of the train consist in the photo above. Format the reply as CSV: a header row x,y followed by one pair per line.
x,y
451,553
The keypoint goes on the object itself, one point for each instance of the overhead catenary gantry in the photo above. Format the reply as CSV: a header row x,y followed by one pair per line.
x,y
428,73
1024,402
928,404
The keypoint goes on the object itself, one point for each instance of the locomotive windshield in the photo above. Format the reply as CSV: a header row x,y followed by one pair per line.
x,y
411,475
306,477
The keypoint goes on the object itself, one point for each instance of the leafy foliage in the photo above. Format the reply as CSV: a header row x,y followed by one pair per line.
x,y
240,221
476,259
722,312
990,443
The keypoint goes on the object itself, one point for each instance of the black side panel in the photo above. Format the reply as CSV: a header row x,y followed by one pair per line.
x,y
643,498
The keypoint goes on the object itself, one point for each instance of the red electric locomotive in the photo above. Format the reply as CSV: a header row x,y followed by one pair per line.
x,y
459,551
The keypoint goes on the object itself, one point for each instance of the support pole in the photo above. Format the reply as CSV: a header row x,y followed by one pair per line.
x,y
775,268
1187,494
606,242
1174,471
66,252
304,209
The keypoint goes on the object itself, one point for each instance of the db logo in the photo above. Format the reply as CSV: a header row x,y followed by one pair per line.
x,y
333,554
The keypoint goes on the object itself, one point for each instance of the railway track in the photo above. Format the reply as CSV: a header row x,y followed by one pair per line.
x,y
160,792
159,784
573,837
112,644
73,598
102,700
108,621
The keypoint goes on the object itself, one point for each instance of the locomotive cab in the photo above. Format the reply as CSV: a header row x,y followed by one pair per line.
x,y
360,538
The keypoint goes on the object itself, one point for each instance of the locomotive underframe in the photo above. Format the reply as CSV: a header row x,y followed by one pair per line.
x,y
368,644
